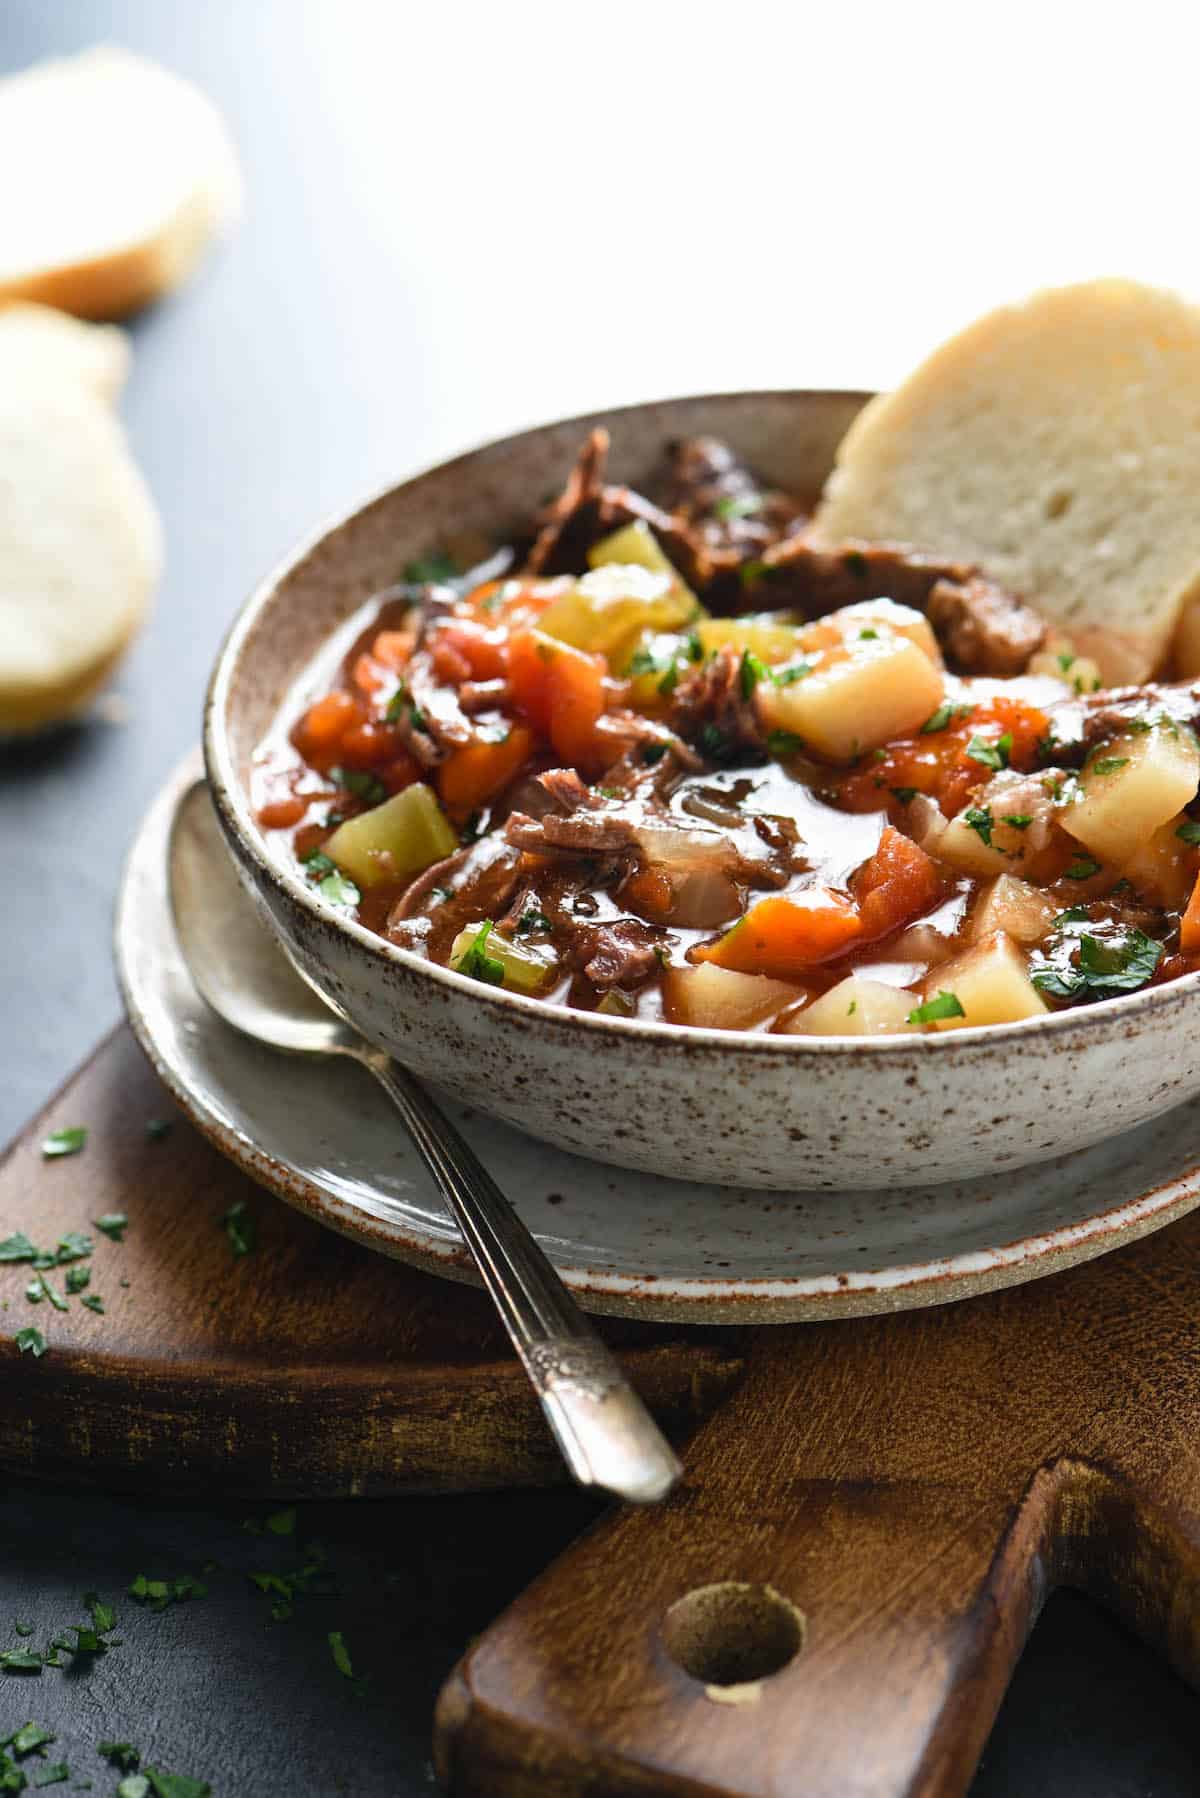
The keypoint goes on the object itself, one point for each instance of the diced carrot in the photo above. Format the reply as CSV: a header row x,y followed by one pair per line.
x,y
281,814
451,667
896,884
483,650
650,892
368,675
514,604
1189,929
784,935
399,773
325,723
478,771
393,648
368,745
561,692
939,762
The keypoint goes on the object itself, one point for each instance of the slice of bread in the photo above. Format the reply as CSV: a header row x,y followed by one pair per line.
x,y
80,548
1057,444
37,338
118,174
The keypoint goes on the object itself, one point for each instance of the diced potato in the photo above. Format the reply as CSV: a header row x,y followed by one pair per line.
x,y
1185,655
854,1007
721,999
881,688
526,969
406,833
1129,787
605,611
772,636
635,545
1021,911
1057,658
965,846
1164,869
886,615
990,982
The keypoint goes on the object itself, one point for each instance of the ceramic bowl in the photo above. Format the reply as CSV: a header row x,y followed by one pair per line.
x,y
754,1111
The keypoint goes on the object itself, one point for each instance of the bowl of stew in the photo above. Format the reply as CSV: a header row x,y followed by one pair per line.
x,y
579,774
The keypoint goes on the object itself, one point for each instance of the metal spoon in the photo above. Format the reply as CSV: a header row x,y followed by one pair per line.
x,y
605,1432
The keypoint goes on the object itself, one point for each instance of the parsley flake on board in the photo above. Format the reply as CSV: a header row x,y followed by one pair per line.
x,y
17,1248
1081,965
53,1774
20,1660
74,1246
93,1302
77,1277
991,755
241,1228
134,1785
946,1005
979,819
64,1142
121,1754
475,961
47,1292
340,1653
113,1225
29,1737
30,1341
157,1594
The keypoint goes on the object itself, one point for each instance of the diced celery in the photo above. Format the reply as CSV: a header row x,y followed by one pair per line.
x,y
635,544
772,636
480,949
403,835
617,1003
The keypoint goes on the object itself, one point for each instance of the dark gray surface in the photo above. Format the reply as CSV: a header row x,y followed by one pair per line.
x,y
294,373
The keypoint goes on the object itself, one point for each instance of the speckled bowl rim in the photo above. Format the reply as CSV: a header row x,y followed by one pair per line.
x,y
233,803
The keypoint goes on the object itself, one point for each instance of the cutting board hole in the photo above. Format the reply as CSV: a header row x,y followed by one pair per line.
x,y
733,1633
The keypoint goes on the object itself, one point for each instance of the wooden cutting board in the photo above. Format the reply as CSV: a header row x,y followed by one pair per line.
x,y
872,1514
307,1368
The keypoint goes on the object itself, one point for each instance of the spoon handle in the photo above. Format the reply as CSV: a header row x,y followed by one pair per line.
x,y
605,1432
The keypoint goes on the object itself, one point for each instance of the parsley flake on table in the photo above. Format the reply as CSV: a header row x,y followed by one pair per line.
x,y
93,1302
47,1292
64,1142
113,1225
74,1246
945,1005
241,1227
30,1341
340,1653
28,1737
77,1277
53,1774
121,1754
20,1660
23,1629
176,1785
17,1248
134,1785
157,1594
283,1523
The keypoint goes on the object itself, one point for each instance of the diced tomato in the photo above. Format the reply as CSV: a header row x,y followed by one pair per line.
x,y
898,883
783,935
393,648
938,763
561,692
513,604
478,771
368,675
651,893
1189,929
318,736
282,814
399,773
369,745
451,668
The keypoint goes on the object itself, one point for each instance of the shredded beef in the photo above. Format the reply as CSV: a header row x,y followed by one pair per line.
x,y
621,954
981,628
711,700
717,497
580,823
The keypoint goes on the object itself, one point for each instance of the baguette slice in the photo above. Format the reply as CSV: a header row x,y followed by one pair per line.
x,y
1057,444
37,338
80,549
118,173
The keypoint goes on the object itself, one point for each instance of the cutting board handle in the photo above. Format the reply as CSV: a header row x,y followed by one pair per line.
x,y
761,1634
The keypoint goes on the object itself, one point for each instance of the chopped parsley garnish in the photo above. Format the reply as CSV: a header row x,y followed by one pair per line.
x,y
1082,868
23,1629
472,829
905,795
339,891
753,669
20,1660
530,921
738,505
867,636
1017,820
644,661
693,648
852,1008
157,1594
1188,832
1066,661
48,1292
854,562
669,681
113,1225
715,744
340,1653
1108,764
946,1005
74,1246
241,1228
428,571
1080,965
157,1128
945,715
367,787
784,677
17,1248
121,1754
784,742
93,1302
317,864
751,572
282,1523
475,960
78,1277
653,752
979,819
167,1785
991,755
64,1142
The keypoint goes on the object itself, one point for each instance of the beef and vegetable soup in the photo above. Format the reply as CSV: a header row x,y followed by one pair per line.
x,y
673,757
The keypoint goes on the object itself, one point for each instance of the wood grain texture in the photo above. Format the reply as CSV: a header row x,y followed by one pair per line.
x,y
310,1367
914,1486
